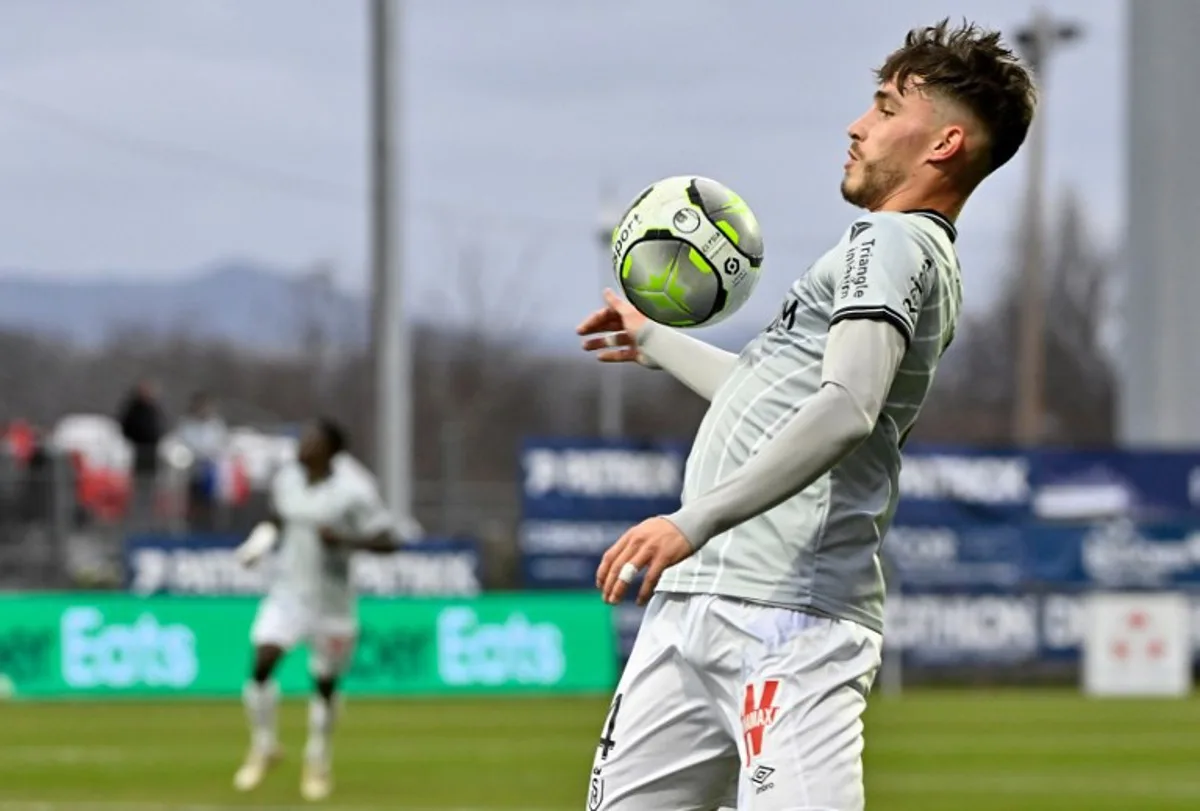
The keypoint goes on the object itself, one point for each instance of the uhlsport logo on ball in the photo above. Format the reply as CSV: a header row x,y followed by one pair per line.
x,y
686,220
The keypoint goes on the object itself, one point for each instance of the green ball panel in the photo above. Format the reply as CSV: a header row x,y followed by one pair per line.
x,y
670,282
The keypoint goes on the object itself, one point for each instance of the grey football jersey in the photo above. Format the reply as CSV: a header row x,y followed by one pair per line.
x,y
819,550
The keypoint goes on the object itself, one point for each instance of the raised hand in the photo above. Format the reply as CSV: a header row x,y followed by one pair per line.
x,y
611,331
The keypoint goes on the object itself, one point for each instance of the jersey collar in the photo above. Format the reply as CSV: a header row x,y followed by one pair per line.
x,y
939,219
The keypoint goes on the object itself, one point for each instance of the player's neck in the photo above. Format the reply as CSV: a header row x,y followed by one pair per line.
x,y
947,202
319,472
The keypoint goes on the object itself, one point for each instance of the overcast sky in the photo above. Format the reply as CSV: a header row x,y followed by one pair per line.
x,y
141,136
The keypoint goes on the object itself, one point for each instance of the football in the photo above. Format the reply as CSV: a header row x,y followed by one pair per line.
x,y
687,252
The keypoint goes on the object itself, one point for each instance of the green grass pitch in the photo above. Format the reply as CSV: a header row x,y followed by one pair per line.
x,y
932,750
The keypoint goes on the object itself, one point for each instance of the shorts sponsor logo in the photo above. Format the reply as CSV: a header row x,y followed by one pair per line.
x,y
758,713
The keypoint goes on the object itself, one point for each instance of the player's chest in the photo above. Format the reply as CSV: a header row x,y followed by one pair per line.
x,y
802,316
315,504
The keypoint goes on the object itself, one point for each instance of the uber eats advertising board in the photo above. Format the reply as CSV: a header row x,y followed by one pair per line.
x,y
107,645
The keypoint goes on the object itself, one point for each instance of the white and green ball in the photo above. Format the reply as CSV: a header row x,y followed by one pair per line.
x,y
687,252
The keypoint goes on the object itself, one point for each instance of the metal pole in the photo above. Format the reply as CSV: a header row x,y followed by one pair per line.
x,y
611,383
1038,41
390,344
1031,341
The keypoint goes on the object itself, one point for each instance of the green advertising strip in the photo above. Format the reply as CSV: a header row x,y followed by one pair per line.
x,y
105,645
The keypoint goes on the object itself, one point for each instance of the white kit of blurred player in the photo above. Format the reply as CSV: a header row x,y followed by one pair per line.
x,y
325,507
763,630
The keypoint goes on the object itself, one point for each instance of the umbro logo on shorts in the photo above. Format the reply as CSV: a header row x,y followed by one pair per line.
x,y
761,778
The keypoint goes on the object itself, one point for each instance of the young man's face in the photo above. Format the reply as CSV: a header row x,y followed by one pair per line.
x,y
889,143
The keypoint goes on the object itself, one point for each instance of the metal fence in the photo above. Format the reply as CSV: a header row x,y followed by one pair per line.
x,y
61,527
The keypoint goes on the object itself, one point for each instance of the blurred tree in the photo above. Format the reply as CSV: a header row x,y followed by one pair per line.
x,y
973,397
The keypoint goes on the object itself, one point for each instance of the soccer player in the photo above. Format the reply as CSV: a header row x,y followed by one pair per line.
x,y
763,629
325,508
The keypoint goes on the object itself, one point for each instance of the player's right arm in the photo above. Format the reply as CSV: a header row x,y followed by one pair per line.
x,y
264,537
619,333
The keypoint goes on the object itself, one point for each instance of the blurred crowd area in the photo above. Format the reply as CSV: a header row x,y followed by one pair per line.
x,y
71,492
74,491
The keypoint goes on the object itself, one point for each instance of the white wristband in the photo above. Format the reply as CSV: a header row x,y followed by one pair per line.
x,y
260,541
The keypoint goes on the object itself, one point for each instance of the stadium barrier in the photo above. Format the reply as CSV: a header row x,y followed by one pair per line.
x,y
100,645
991,558
204,564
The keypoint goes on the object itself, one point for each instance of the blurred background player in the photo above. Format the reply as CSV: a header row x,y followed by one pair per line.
x,y
769,612
325,507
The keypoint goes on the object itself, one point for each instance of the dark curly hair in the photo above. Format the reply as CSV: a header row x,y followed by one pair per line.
x,y
336,439
972,67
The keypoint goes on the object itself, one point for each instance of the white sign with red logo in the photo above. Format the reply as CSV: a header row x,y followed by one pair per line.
x,y
1137,645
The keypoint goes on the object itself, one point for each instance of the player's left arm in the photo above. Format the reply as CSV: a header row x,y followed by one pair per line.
x,y
373,527
877,301
861,359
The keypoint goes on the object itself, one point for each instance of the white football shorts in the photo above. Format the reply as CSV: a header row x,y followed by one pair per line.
x,y
286,623
725,703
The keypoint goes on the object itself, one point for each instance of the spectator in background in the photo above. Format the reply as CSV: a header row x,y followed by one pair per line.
x,y
20,439
203,432
141,421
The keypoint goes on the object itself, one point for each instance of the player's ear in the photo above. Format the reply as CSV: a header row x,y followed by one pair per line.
x,y
949,142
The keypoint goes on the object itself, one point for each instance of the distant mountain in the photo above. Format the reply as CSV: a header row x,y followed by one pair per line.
x,y
242,303
238,302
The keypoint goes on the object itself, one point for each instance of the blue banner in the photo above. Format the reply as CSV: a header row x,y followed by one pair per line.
x,y
599,480
992,549
967,627
984,628
204,564
1116,554
979,594
579,495
962,485
577,498
952,485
